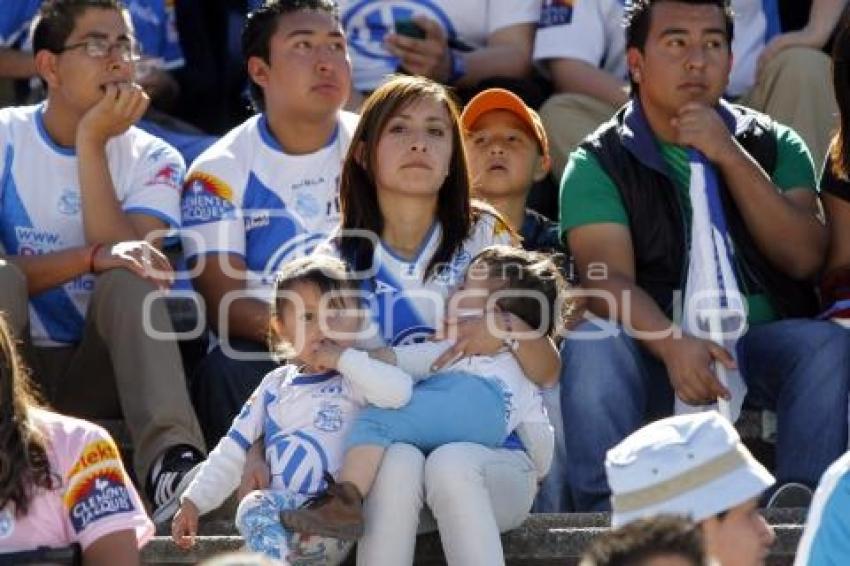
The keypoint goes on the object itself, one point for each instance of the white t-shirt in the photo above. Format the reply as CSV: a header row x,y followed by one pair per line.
x,y
93,497
592,31
366,22
245,196
304,418
587,30
40,206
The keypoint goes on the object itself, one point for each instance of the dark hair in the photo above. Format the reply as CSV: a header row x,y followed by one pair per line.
x,y
358,193
840,149
528,272
56,20
261,25
327,273
638,16
639,541
24,466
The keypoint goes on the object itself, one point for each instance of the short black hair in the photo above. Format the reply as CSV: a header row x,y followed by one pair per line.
x,y
638,14
56,20
639,541
260,26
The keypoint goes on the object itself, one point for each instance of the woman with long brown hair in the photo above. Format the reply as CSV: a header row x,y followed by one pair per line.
x,y
62,482
409,228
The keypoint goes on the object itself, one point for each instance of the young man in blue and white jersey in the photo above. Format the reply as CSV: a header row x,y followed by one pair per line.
x,y
266,192
85,198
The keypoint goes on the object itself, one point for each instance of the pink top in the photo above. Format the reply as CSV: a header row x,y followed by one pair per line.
x,y
94,496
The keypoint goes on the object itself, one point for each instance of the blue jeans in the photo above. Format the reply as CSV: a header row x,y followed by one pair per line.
x,y
447,407
611,386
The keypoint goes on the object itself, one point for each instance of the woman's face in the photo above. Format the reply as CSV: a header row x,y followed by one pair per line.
x,y
415,150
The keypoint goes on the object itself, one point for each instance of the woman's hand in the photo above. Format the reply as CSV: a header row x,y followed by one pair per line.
x,y
472,336
184,525
255,474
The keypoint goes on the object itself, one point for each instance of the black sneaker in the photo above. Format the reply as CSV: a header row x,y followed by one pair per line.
x,y
168,479
791,495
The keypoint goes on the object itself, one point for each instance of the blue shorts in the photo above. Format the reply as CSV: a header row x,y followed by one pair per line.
x,y
447,407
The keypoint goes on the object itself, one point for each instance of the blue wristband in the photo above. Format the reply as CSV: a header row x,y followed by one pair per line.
x,y
458,68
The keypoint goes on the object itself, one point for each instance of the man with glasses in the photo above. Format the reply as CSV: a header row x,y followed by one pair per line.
x,y
85,198
159,57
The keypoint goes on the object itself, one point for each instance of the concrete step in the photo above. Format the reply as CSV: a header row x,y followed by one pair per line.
x,y
543,540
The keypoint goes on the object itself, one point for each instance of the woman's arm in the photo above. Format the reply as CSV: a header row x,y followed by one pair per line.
x,y
487,335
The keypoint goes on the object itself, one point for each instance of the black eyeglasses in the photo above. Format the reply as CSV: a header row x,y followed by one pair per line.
x,y
101,48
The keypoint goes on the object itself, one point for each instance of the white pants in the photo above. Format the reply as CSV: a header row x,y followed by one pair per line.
x,y
473,494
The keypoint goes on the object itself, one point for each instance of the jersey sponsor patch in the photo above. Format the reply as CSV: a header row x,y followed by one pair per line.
x,y
169,175
97,485
556,12
97,452
100,494
206,198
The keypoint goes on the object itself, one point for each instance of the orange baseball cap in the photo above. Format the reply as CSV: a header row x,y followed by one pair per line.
x,y
501,99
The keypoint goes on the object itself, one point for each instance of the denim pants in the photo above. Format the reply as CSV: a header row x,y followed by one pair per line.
x,y
258,521
611,386
447,407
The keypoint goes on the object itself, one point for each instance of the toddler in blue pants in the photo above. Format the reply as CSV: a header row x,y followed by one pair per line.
x,y
479,399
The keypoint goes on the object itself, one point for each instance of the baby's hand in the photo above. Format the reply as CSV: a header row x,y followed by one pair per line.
x,y
325,355
184,525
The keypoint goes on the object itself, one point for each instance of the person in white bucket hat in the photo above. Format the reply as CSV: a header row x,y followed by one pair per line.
x,y
695,466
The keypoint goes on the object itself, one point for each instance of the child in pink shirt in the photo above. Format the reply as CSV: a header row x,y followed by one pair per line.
x,y
67,484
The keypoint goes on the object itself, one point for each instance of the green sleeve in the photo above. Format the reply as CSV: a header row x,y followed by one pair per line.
x,y
588,195
794,166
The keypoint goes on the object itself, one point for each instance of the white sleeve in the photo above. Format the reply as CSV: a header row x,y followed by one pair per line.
x,y
382,385
417,359
218,477
155,185
211,209
539,441
221,473
502,14
572,32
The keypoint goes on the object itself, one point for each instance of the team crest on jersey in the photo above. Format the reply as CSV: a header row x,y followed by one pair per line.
x,y
367,23
556,12
328,417
99,494
453,271
307,205
69,202
206,198
7,521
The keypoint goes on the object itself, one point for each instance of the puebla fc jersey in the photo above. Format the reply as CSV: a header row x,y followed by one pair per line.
x,y
304,419
41,207
246,196
405,309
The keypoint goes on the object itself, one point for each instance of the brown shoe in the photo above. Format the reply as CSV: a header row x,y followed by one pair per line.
x,y
336,512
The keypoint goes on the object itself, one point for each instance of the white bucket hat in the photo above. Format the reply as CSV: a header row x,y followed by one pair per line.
x,y
693,465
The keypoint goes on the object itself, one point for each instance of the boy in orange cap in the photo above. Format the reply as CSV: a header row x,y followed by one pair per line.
x,y
508,152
